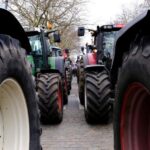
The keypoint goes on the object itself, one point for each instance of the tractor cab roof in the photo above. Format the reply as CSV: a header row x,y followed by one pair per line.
x,y
107,28
37,30
32,33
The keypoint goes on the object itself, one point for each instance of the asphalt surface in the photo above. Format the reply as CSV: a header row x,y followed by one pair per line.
x,y
74,133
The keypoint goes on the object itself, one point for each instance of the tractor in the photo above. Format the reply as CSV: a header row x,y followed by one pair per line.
x,y
130,78
49,75
95,91
57,52
68,67
19,117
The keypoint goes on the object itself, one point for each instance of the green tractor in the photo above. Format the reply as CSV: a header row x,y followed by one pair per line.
x,y
49,75
94,74
19,117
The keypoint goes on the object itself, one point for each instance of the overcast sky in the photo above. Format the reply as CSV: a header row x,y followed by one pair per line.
x,y
100,12
103,11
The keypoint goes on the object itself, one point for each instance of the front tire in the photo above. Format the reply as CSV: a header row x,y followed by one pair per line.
x,y
18,102
97,97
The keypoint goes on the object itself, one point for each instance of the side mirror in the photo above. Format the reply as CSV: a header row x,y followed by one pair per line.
x,y
81,31
57,37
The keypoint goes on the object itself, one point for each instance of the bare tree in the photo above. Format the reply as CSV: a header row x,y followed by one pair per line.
x,y
70,39
37,12
63,14
129,13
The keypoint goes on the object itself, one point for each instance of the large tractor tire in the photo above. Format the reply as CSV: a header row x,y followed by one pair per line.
x,y
97,97
19,117
49,87
81,82
132,104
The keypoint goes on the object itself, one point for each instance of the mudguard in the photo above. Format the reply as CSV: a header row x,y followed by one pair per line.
x,y
97,68
9,25
89,59
90,63
124,39
57,64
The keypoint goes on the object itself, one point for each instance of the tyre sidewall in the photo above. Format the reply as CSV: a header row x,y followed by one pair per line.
x,y
135,69
17,68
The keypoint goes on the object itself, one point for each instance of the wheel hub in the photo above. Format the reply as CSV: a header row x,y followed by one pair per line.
x,y
14,120
135,121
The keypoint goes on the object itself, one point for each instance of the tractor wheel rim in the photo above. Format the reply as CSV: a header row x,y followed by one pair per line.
x,y
135,120
14,119
59,102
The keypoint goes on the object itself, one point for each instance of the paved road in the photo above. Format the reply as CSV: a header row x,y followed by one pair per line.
x,y
74,133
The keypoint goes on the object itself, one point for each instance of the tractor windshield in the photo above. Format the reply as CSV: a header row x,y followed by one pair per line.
x,y
108,42
35,43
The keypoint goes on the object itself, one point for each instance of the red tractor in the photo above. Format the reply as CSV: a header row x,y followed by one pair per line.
x,y
130,75
95,91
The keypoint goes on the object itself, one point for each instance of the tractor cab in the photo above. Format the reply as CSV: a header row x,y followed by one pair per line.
x,y
104,39
101,51
40,44
48,70
55,51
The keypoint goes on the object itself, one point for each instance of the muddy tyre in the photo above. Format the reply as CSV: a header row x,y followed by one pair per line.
x,y
49,87
132,105
97,97
18,103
